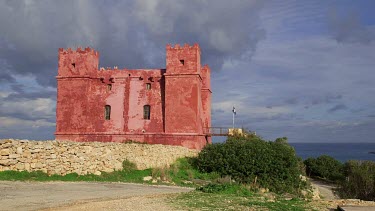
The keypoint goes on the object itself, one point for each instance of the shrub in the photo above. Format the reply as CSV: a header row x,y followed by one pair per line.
x,y
360,180
184,170
325,167
254,161
128,166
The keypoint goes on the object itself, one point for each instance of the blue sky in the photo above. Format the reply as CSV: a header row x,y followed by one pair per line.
x,y
301,69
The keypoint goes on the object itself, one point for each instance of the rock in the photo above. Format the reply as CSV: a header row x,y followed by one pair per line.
x,y
304,193
39,165
48,146
315,193
118,166
20,166
4,152
4,162
98,173
12,156
148,178
27,166
262,190
19,150
108,170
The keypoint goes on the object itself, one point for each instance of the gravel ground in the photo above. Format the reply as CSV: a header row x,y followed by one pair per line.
x,y
43,195
144,203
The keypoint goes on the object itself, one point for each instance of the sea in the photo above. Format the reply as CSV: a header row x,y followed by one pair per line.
x,y
340,151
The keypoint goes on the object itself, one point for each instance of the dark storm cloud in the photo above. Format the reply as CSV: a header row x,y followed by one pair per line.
x,y
6,77
306,99
329,98
337,108
291,101
349,29
30,95
127,33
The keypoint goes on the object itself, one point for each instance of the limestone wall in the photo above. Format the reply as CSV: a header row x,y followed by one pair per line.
x,y
63,157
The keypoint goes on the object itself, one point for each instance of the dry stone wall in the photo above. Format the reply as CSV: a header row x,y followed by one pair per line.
x,y
64,157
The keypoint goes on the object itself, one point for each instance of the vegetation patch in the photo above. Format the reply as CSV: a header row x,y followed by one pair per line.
x,y
324,167
222,200
355,179
180,173
359,180
253,161
234,189
116,176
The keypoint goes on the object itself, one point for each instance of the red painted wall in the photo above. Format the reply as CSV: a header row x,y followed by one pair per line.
x,y
180,99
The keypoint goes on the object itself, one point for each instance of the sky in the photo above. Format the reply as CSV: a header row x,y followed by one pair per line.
x,y
300,69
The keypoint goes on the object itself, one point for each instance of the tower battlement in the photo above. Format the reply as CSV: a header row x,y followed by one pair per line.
x,y
185,46
86,50
183,59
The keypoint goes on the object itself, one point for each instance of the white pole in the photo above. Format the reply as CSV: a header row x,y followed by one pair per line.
x,y
233,119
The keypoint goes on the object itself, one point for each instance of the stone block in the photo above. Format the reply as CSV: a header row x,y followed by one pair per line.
x,y
4,152
13,156
5,162
20,166
39,165
19,150
27,166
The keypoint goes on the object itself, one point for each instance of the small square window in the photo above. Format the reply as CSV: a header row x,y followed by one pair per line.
x,y
148,86
182,61
109,87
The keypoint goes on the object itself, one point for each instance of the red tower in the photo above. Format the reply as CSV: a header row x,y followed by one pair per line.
x,y
158,106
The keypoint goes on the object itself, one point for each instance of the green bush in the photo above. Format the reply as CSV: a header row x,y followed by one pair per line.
x,y
360,180
128,166
254,161
325,167
184,170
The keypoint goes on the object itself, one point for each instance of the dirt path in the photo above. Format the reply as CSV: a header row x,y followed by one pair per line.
x,y
325,189
75,195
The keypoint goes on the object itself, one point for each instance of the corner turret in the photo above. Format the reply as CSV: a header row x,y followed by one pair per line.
x,y
183,59
80,62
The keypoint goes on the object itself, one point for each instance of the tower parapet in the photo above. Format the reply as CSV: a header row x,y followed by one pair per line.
x,y
184,59
79,62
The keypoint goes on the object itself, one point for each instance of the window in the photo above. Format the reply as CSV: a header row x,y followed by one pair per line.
x,y
146,112
74,64
148,86
182,61
107,112
109,87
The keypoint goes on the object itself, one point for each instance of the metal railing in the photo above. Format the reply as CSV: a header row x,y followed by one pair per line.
x,y
222,131
216,131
